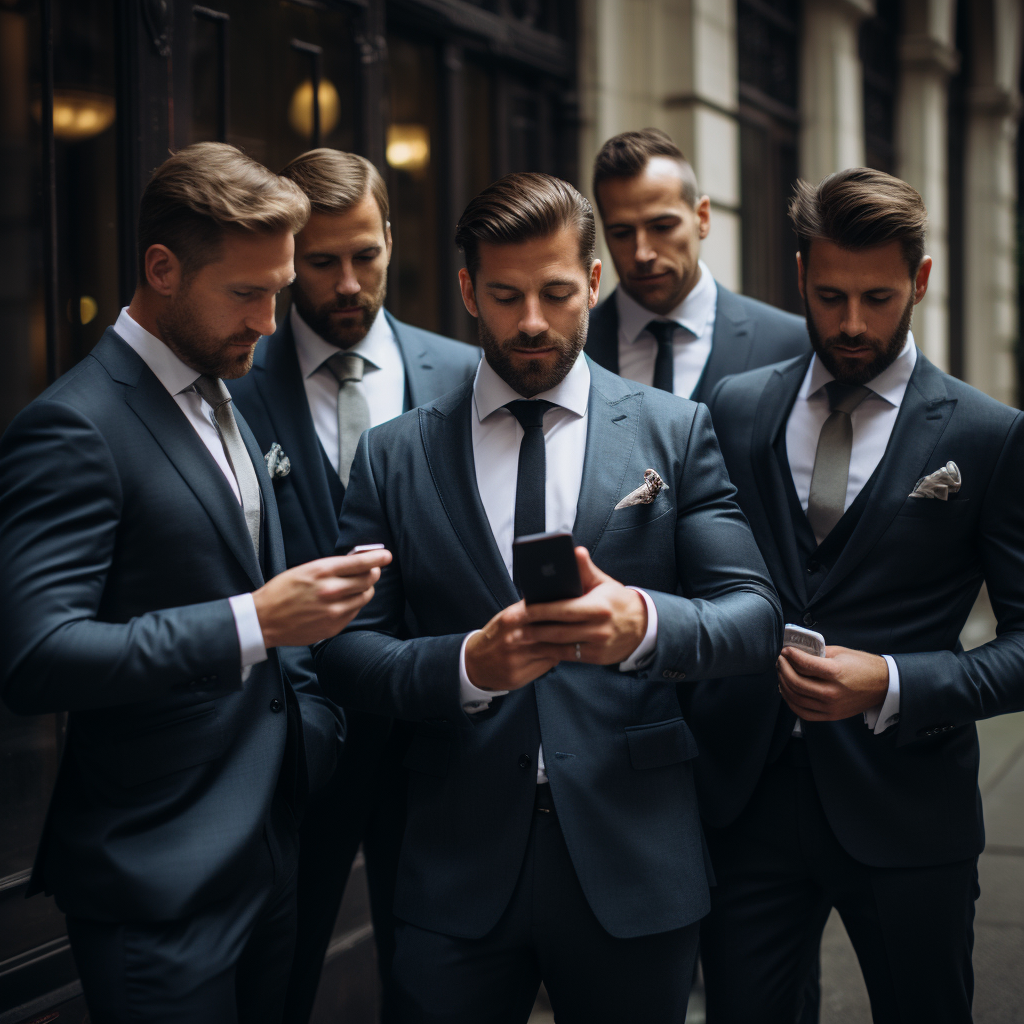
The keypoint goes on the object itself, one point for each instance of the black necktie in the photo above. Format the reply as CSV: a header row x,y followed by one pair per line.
x,y
530,517
664,362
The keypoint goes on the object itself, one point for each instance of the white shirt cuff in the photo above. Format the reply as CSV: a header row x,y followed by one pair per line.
x,y
650,640
250,636
473,698
888,712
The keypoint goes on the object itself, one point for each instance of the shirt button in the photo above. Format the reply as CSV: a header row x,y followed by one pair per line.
x,y
813,565
524,760
808,619
276,706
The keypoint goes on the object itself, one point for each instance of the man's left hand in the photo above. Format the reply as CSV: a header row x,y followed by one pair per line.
x,y
842,684
608,622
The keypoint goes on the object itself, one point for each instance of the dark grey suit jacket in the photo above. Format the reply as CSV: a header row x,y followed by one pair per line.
x,y
120,544
903,584
617,749
747,334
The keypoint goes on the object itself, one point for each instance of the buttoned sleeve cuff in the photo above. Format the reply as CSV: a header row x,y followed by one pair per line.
x,y
645,651
473,698
250,636
888,712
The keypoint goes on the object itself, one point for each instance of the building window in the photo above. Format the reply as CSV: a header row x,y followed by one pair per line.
x,y
879,52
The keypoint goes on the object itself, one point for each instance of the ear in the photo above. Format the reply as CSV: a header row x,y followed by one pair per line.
x,y
387,241
921,279
595,283
468,293
163,270
801,276
703,211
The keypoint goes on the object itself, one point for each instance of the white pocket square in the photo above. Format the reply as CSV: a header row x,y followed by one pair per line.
x,y
278,464
940,484
646,492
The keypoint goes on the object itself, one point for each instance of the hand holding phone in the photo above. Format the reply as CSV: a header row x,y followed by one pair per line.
x,y
545,568
804,640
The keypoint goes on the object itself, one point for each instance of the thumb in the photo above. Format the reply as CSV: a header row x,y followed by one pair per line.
x,y
590,575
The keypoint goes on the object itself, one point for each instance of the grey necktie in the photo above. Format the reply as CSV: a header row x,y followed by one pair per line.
x,y
214,391
353,410
831,473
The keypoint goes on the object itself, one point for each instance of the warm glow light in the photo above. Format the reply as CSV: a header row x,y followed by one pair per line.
x,y
87,309
78,115
408,147
300,110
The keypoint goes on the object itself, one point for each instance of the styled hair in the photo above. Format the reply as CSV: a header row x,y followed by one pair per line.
x,y
334,181
860,208
520,207
205,190
627,154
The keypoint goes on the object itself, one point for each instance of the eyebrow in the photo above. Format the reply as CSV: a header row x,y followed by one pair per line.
x,y
555,283
648,220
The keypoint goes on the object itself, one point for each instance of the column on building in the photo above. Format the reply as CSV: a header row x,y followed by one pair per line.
x,y
831,87
668,64
928,57
990,263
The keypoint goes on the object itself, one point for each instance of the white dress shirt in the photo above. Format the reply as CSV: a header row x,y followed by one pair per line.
x,y
176,377
496,436
872,422
691,340
383,381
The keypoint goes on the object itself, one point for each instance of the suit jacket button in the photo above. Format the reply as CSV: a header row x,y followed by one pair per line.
x,y
808,619
813,565
524,760
276,706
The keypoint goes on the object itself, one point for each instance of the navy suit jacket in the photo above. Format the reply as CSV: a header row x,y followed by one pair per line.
x,y
616,746
120,544
903,584
273,400
747,334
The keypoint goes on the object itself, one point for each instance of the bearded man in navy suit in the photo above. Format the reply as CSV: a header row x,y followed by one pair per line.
x,y
301,396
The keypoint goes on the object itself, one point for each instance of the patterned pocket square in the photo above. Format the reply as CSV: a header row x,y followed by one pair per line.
x,y
278,464
940,484
646,492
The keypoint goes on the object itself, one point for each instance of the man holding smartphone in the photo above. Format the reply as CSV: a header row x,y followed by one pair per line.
x,y
552,829
882,492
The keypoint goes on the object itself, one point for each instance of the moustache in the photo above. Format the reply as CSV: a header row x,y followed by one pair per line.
x,y
341,305
244,338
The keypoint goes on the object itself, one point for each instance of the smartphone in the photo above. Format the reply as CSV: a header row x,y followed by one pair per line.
x,y
364,547
804,640
544,567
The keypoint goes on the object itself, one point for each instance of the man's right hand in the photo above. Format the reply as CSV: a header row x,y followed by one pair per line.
x,y
498,658
317,599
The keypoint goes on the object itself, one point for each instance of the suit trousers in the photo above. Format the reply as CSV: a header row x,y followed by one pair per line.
x,y
547,933
227,964
780,870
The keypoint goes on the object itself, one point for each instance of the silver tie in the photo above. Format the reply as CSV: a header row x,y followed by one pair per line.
x,y
831,474
353,410
214,391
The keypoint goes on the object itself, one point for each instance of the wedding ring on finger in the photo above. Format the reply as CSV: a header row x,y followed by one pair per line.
x,y
579,653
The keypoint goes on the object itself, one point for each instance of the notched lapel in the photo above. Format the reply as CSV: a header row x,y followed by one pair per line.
x,y
731,343
416,360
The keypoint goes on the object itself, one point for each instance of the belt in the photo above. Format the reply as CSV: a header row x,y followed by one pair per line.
x,y
542,802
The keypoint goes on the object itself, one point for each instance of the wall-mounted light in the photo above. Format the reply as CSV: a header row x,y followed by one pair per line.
x,y
78,114
408,147
300,110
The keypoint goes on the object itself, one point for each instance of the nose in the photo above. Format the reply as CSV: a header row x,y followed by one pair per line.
x,y
533,321
644,251
853,319
347,284
262,318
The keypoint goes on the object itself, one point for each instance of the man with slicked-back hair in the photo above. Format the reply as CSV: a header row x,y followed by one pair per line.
x,y
669,323
552,830
882,493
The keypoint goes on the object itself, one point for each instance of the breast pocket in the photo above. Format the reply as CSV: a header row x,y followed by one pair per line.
x,y
658,744
935,509
634,516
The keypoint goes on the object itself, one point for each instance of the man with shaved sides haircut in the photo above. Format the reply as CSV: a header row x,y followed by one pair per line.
x,y
339,363
669,323
552,831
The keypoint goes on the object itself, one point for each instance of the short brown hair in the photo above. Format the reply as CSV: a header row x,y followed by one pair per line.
x,y
860,208
334,181
209,188
627,154
520,207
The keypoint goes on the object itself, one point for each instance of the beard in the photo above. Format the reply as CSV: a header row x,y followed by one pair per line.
x,y
535,377
183,331
885,352
340,335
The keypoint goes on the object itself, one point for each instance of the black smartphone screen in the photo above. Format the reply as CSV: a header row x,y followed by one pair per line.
x,y
544,566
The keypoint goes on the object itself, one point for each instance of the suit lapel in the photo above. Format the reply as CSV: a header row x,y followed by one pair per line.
x,y
613,419
417,362
922,418
273,540
164,419
603,335
279,381
782,558
731,343
448,444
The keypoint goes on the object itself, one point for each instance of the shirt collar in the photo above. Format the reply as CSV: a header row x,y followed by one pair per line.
x,y
890,384
490,392
175,375
693,312
313,351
